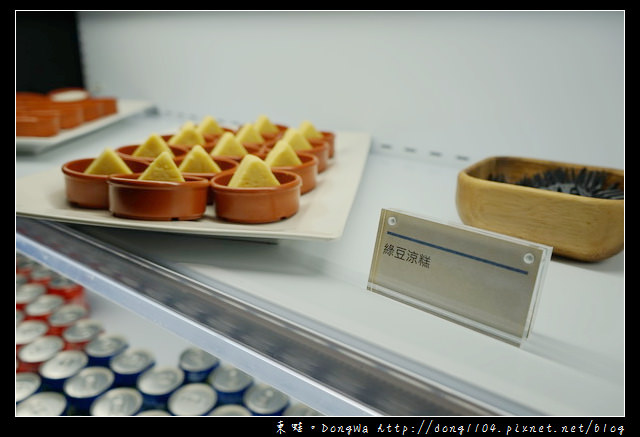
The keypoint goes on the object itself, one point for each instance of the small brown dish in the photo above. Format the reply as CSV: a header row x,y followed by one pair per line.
x,y
89,190
252,149
308,171
132,198
321,150
257,205
225,164
127,152
274,136
576,226
330,137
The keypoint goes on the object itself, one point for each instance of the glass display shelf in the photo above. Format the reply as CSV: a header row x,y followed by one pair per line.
x,y
298,315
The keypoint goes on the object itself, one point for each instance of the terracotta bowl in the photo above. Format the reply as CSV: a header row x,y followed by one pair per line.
x,y
277,135
579,227
257,205
320,150
225,164
308,171
213,138
37,124
127,152
330,137
132,198
252,149
91,191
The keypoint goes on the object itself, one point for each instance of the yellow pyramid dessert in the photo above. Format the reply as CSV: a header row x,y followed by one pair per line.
x,y
228,145
188,125
253,172
187,136
308,130
297,141
163,168
152,147
282,155
198,161
249,134
109,162
264,126
209,126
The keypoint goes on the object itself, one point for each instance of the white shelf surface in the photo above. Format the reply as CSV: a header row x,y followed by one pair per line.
x,y
573,363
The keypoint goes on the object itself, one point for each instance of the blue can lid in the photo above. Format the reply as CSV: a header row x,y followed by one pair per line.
x,y
229,379
160,380
63,365
89,382
300,409
196,360
123,401
27,383
132,361
195,399
105,345
230,410
49,403
154,412
263,399
82,330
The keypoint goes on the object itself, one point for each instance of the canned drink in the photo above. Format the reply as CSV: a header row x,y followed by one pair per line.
x,y
25,265
86,386
264,400
65,316
47,403
197,364
29,330
19,317
21,279
193,399
230,383
27,384
27,293
230,410
300,409
158,384
101,349
129,365
121,401
64,365
42,307
81,333
154,413
32,355
41,275
69,290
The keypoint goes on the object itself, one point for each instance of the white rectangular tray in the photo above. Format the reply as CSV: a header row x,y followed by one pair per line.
x,y
35,145
322,215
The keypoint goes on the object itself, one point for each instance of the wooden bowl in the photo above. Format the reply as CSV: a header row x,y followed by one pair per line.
x,y
578,227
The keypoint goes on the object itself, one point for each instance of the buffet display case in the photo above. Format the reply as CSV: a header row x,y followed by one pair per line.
x,y
415,99
295,311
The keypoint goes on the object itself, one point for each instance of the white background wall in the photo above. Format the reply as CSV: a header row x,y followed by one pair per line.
x,y
538,84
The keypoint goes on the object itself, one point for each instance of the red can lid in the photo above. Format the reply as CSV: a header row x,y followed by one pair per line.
x,y
43,305
27,293
30,330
